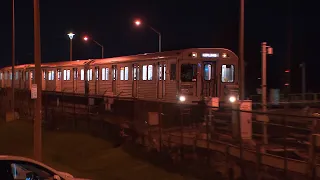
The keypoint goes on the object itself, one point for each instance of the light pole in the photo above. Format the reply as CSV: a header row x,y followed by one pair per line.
x,y
241,51
303,79
86,38
264,51
13,57
37,134
71,37
138,23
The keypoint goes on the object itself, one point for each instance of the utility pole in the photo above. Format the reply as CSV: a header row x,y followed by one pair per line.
x,y
303,80
159,42
264,51
70,49
241,51
37,134
13,59
71,35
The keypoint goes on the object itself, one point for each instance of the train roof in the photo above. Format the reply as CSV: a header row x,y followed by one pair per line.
x,y
124,59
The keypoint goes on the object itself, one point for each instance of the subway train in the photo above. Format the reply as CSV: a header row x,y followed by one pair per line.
x,y
186,76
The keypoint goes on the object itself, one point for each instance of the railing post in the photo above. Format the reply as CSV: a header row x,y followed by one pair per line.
x,y
258,163
285,148
160,125
312,154
74,114
240,141
181,131
208,119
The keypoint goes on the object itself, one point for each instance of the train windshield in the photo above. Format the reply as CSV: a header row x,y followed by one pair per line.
x,y
188,72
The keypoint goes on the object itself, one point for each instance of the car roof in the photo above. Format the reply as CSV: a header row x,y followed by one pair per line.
x,y
20,158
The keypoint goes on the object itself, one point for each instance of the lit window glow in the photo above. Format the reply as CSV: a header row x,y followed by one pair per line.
x,y
210,55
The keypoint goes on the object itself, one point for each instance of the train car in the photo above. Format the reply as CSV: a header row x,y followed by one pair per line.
x,y
186,76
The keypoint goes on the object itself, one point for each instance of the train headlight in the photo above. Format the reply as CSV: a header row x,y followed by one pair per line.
x,y
182,98
232,99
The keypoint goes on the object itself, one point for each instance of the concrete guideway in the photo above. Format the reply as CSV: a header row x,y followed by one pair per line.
x,y
192,139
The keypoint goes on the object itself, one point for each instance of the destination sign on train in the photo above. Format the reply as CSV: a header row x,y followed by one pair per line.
x,y
209,55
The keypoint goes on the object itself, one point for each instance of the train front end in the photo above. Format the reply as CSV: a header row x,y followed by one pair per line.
x,y
208,75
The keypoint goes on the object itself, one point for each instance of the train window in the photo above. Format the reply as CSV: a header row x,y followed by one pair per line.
x,y
97,73
105,74
114,73
172,71
17,76
122,73
10,76
59,74
135,73
207,72
44,75
66,74
162,73
0,76
144,72
82,74
227,73
188,72
89,74
150,72
27,75
75,73
126,73
51,75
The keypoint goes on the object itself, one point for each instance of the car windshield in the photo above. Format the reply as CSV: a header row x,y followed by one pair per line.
x,y
21,170
188,72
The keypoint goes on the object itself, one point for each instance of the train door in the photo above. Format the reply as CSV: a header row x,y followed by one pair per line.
x,y
97,71
58,80
75,79
1,76
114,79
44,80
135,79
21,79
161,79
32,79
209,85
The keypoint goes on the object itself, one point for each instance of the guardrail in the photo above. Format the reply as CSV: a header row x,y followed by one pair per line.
x,y
307,97
180,127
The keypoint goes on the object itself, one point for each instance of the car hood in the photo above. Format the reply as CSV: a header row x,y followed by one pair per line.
x,y
69,176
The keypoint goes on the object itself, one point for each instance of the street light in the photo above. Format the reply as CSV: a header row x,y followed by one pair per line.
x,y
241,51
71,37
264,51
86,38
37,131
13,58
138,23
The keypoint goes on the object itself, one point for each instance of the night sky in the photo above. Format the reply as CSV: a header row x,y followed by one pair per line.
x,y
183,24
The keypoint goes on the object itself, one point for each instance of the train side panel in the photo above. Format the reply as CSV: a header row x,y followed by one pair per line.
x,y
147,88
170,82
66,80
1,79
80,88
124,84
105,81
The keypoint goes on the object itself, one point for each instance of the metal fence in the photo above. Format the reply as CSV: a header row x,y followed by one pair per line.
x,y
204,140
